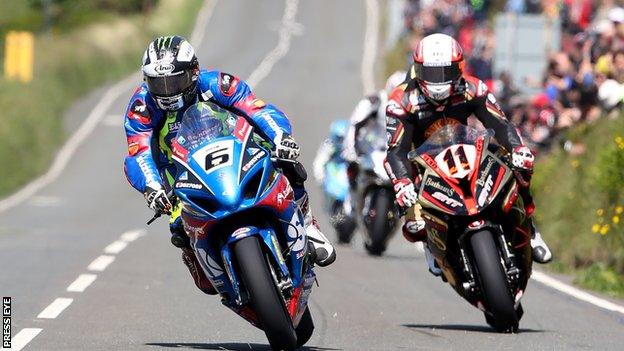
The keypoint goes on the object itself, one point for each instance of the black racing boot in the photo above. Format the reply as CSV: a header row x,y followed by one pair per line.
x,y
199,277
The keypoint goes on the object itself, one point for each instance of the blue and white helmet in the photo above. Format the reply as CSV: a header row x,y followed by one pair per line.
x,y
338,129
170,69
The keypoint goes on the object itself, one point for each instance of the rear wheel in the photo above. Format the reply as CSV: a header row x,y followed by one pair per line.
x,y
264,297
379,228
305,328
499,303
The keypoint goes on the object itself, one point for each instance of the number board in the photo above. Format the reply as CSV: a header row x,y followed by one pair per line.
x,y
215,155
457,160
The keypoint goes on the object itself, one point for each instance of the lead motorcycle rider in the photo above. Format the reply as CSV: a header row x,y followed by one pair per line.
x,y
437,93
173,81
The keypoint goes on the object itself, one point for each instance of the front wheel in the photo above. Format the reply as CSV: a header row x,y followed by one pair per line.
x,y
305,328
501,313
264,296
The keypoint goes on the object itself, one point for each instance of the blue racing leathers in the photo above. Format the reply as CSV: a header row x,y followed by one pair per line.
x,y
149,130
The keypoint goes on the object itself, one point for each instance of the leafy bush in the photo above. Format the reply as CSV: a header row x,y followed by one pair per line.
x,y
580,203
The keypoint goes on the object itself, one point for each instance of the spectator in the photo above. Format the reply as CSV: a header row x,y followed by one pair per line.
x,y
583,80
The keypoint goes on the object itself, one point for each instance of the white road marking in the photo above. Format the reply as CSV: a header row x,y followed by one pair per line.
x,y
197,37
81,283
55,308
100,263
132,235
113,120
575,292
287,29
24,337
115,247
371,35
45,201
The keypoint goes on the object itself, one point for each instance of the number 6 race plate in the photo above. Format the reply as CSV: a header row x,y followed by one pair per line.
x,y
215,155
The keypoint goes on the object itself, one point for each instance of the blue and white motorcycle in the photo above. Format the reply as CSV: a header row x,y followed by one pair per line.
x,y
330,171
245,227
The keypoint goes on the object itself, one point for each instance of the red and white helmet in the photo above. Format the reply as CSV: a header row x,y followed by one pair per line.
x,y
438,65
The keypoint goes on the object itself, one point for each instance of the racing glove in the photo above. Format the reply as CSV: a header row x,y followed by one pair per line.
x,y
522,158
157,200
286,147
406,195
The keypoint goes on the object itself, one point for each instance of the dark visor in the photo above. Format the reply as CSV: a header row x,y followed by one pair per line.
x,y
170,85
442,74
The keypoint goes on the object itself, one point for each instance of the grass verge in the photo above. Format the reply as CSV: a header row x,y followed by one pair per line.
x,y
580,204
66,67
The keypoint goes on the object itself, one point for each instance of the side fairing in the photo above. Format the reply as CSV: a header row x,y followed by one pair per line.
x,y
492,175
438,194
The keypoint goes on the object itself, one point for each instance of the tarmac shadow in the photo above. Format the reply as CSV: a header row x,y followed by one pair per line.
x,y
465,327
230,346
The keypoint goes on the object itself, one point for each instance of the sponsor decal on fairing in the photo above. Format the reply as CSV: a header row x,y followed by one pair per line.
x,y
445,199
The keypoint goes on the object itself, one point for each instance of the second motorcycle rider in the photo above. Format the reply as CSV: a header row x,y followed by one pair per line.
x,y
437,93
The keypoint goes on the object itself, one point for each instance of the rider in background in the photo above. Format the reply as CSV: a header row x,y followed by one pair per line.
x,y
173,81
437,93
330,149
369,114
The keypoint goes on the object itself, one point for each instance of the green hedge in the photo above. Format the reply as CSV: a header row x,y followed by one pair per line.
x,y
580,205
67,66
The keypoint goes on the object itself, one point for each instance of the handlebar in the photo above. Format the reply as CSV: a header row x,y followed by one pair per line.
x,y
157,214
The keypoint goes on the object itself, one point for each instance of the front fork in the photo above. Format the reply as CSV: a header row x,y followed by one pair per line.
x,y
508,258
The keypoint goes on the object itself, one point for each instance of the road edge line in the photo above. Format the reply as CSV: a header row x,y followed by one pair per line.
x,y
286,31
577,293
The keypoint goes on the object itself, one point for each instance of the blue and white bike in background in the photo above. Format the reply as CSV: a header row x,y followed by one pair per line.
x,y
330,171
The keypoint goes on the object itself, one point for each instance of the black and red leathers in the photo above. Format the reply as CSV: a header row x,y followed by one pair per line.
x,y
412,118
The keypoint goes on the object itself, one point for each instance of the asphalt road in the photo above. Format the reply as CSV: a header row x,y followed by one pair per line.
x,y
145,298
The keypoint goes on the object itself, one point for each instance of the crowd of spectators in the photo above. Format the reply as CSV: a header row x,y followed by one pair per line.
x,y
582,82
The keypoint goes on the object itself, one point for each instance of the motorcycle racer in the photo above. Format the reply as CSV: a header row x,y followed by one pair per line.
x,y
369,113
173,81
436,93
331,148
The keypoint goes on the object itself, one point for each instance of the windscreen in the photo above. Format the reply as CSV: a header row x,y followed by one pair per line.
x,y
451,135
203,122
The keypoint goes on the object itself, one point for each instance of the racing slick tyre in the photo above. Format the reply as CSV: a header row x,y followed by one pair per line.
x,y
379,228
264,296
500,314
305,328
